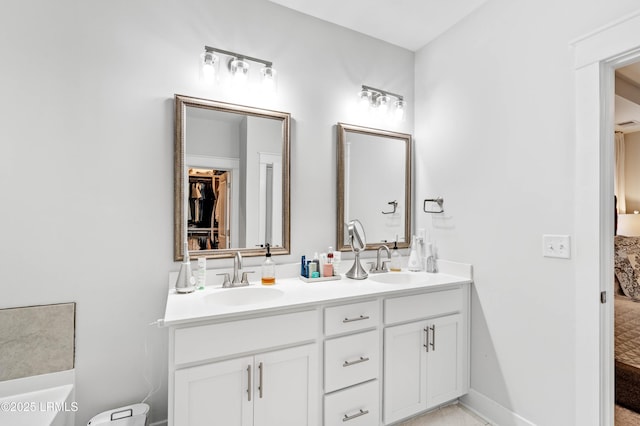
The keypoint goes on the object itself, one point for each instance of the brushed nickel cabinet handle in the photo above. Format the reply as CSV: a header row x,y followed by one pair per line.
x,y
260,385
360,318
362,412
433,337
357,361
249,383
426,332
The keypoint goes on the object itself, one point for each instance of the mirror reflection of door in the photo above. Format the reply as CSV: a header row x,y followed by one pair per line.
x,y
222,212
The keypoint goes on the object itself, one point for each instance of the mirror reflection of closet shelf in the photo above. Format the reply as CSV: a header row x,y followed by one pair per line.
x,y
207,215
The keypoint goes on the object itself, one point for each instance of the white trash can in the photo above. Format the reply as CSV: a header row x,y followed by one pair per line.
x,y
131,415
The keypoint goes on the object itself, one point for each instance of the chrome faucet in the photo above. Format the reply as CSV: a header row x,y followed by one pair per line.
x,y
237,267
381,266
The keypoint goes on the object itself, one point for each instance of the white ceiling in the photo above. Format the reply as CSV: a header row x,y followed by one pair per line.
x,y
411,24
406,23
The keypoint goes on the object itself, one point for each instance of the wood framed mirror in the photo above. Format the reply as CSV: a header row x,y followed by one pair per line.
x,y
231,179
374,185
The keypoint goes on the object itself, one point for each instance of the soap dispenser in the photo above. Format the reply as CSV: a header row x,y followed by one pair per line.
x,y
414,258
268,269
396,259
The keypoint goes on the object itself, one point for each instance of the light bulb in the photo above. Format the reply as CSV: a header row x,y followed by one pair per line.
x,y
209,63
399,112
269,79
383,103
364,99
239,70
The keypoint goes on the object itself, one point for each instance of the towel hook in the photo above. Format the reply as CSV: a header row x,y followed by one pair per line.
x,y
393,203
439,201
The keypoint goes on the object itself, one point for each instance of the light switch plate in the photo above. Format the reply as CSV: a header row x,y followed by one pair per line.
x,y
556,246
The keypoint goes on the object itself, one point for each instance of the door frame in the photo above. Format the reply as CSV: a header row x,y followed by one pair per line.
x,y
597,55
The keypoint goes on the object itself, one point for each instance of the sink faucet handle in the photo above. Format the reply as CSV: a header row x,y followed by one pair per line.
x,y
226,282
372,266
245,280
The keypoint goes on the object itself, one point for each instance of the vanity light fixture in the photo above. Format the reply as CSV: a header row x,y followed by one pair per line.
x,y
238,66
382,101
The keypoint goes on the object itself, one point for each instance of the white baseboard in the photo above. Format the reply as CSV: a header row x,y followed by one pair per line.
x,y
491,411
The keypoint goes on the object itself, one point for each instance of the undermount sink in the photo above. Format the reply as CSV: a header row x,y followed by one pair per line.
x,y
399,278
244,296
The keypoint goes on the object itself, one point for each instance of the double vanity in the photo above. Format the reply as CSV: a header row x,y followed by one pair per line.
x,y
354,352
346,352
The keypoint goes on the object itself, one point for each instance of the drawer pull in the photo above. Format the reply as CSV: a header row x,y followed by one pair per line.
x,y
357,361
360,318
346,418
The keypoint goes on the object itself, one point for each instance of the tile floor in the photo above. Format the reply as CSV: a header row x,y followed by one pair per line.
x,y
457,415
450,415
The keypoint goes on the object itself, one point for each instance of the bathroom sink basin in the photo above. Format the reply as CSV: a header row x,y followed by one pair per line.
x,y
399,278
244,296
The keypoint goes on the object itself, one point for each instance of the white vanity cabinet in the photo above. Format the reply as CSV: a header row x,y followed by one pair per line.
x,y
331,354
271,387
426,356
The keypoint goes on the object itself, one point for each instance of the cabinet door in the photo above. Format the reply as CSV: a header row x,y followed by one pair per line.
x,y
285,387
445,360
405,358
216,393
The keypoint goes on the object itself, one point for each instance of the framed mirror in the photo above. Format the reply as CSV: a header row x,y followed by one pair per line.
x,y
374,185
231,179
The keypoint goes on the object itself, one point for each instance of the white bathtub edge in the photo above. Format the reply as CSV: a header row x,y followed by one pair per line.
x,y
44,399
36,383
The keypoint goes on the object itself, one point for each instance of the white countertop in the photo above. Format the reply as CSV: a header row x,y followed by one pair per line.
x,y
203,304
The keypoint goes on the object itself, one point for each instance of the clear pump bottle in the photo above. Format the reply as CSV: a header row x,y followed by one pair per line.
x,y
268,269
396,259
414,258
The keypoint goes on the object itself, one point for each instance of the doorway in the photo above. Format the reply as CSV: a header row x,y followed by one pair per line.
x,y
625,291
597,56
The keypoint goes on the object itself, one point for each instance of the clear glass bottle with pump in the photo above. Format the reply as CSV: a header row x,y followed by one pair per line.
x,y
414,258
268,269
396,259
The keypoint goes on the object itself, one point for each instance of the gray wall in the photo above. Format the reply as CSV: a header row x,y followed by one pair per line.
x,y
86,161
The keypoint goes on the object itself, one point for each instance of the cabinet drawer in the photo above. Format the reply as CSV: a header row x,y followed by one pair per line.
x,y
423,305
351,360
217,340
352,317
356,406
